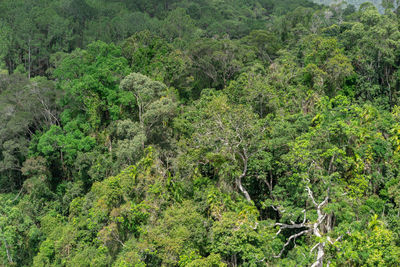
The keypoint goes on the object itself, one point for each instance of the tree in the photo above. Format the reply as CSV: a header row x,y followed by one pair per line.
x,y
226,136
371,244
90,79
25,108
325,64
216,62
155,105
178,25
372,42
329,172
267,44
144,91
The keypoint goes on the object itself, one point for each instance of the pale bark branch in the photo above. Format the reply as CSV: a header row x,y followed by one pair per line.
x,y
290,239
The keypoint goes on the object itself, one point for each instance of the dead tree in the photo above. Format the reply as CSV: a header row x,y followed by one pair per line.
x,y
318,228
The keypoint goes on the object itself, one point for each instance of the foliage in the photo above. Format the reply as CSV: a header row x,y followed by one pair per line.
x,y
199,133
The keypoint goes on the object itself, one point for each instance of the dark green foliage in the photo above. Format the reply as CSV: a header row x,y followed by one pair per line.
x,y
25,107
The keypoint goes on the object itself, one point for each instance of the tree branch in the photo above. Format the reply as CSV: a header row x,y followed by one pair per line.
x,y
290,239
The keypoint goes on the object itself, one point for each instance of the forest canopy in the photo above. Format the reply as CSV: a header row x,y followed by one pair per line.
x,y
199,133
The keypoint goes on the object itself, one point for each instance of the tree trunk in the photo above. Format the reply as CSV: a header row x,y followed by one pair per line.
x,y
29,59
323,225
242,189
239,180
140,107
320,257
9,257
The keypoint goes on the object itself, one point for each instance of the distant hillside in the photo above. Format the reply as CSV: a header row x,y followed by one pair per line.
x,y
356,3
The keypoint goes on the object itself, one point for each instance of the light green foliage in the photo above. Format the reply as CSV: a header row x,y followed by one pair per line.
x,y
323,161
141,91
129,138
226,136
156,106
19,234
177,238
326,65
112,213
214,260
370,246
240,239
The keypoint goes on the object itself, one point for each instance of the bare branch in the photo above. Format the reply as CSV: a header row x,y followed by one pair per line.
x,y
314,247
310,194
336,240
290,239
291,226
